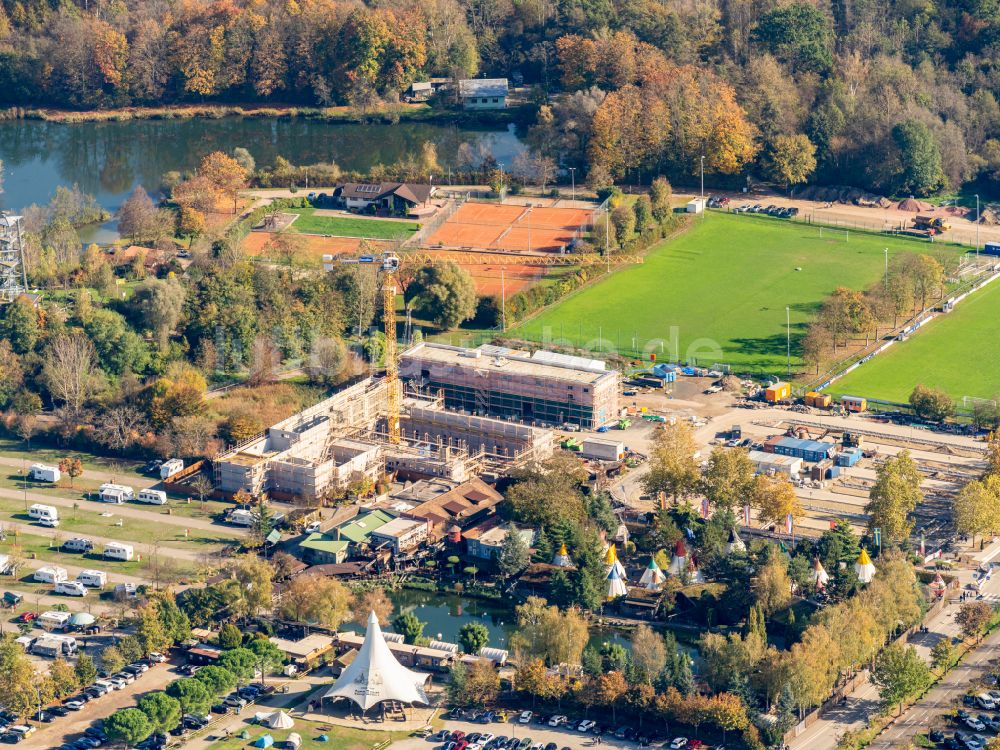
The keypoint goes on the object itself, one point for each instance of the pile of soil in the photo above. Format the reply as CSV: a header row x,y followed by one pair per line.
x,y
990,214
914,206
841,194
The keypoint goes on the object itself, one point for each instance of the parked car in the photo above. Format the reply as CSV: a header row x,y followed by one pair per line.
x,y
586,725
975,724
58,710
157,658
75,704
27,616
525,717
235,701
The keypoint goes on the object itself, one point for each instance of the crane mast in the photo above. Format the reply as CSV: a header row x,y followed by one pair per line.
x,y
394,395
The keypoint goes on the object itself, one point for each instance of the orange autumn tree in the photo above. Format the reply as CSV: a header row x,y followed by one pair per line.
x,y
226,175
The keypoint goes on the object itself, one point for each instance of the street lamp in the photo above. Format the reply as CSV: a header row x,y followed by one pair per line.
x,y
977,226
887,269
572,174
788,339
703,176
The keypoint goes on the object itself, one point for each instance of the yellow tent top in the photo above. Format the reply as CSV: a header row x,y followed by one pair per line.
x,y
562,550
864,559
612,557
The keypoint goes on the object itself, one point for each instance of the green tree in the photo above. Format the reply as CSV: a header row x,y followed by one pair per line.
x,y
798,34
649,653
119,348
643,210
130,725
623,221
659,196
728,479
920,170
130,648
942,653
409,625
473,636
268,657
20,326
64,680
240,661
162,710
976,509
150,630
112,659
190,693
791,159
443,293
894,496
217,680
931,403
230,636
85,670
514,554
673,468
899,673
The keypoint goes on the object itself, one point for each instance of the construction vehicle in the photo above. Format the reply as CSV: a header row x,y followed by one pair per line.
x,y
932,224
624,423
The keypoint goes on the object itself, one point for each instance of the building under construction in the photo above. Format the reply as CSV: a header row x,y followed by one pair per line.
x,y
543,388
344,438
13,277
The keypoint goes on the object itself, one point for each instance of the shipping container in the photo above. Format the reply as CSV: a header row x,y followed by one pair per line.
x,y
818,400
991,248
854,403
778,392
769,463
849,457
605,450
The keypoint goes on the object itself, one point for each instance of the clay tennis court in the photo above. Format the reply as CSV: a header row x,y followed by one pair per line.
x,y
489,279
491,226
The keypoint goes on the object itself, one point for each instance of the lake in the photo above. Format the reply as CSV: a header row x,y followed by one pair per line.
x,y
108,159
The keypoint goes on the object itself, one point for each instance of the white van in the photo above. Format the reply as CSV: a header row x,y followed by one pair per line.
x,y
152,497
46,515
50,574
116,493
171,467
241,517
71,588
78,544
97,579
45,473
118,551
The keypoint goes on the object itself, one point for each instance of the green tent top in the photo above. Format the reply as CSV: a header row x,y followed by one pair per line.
x,y
324,543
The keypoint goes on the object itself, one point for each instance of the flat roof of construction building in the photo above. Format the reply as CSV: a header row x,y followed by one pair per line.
x,y
513,362
773,459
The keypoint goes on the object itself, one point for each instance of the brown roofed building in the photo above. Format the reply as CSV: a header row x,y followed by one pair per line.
x,y
392,197
462,506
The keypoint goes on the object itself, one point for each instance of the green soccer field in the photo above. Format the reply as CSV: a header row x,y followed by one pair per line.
x,y
341,226
718,293
958,352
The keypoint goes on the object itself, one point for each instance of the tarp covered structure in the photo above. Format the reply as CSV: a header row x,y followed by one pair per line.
x,y
375,675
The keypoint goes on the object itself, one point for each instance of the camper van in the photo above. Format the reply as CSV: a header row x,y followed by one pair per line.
x,y
53,646
116,493
45,473
50,574
118,551
53,620
152,497
46,515
71,588
78,544
241,517
96,579
171,467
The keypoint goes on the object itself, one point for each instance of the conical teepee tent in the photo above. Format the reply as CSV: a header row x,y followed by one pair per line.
x,y
694,575
652,577
278,720
562,557
864,567
735,544
375,675
611,562
616,585
938,586
819,576
680,559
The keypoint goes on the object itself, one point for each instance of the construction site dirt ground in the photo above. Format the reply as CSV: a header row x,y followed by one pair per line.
x,y
861,217
313,246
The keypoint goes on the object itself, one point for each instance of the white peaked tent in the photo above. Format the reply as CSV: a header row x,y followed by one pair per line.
x,y
735,544
616,585
694,575
652,577
680,559
864,567
819,576
275,720
375,675
562,557
611,562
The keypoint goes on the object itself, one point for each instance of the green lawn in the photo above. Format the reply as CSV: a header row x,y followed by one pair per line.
x,y
339,226
339,738
958,352
33,453
718,293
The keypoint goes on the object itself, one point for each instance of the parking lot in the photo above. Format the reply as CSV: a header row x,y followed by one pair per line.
x,y
538,733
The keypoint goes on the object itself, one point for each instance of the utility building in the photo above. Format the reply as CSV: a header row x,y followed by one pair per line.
x,y
541,388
